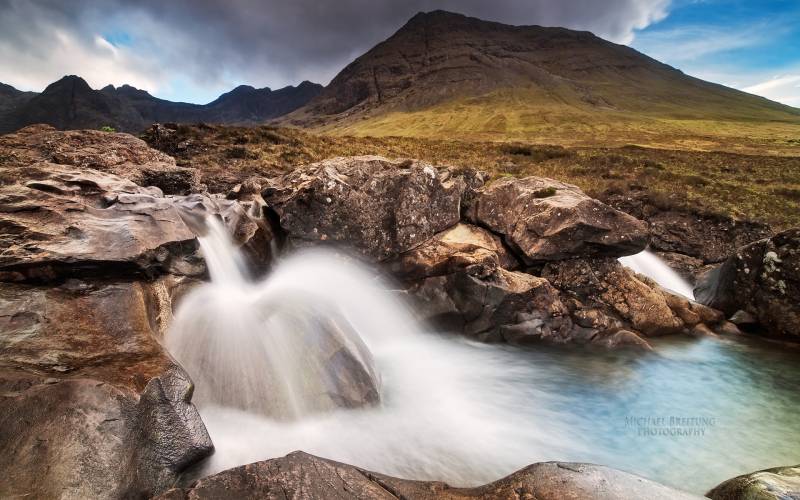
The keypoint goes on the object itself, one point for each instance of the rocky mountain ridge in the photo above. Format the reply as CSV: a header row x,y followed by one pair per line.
x,y
70,103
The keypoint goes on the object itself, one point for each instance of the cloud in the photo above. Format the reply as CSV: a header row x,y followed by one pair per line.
x,y
205,46
690,43
785,89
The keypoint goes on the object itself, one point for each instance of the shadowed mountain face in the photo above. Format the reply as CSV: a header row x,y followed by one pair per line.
x,y
70,103
478,75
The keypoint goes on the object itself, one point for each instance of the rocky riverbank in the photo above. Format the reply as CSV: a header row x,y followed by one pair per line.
x,y
99,245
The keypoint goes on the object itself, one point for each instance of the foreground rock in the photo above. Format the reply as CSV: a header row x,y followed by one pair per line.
x,y
90,405
378,207
780,483
545,220
62,222
763,280
299,475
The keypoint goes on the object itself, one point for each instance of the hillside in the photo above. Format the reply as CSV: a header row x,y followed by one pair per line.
x,y
447,75
70,103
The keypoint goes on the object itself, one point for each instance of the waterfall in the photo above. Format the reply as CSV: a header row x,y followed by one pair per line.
x,y
284,347
648,264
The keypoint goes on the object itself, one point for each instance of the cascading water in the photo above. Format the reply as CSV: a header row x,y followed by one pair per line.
x,y
648,264
321,357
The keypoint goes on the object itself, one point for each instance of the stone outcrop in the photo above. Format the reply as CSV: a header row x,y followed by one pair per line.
x,y
91,406
380,208
779,483
763,280
546,220
300,475
63,221
638,301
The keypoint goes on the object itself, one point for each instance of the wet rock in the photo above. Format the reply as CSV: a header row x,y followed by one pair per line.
x,y
87,395
299,475
779,483
688,267
545,220
763,280
378,207
461,247
61,222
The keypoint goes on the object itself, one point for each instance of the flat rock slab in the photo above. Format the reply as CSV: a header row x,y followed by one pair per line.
x,y
299,475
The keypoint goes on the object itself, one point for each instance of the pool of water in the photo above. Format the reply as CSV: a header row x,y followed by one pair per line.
x,y
690,414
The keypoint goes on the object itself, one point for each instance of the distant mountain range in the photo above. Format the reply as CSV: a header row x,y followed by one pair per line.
x,y
70,103
448,75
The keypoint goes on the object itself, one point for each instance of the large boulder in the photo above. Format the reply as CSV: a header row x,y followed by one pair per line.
x,y
638,301
761,279
299,475
120,154
90,404
61,221
546,220
779,483
378,207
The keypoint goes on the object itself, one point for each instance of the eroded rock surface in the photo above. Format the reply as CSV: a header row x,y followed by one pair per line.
x,y
62,221
779,483
545,220
378,207
763,280
300,475
90,404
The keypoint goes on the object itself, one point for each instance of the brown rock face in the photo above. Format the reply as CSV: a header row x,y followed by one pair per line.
x,y
762,279
779,483
62,221
639,302
299,475
379,207
460,247
545,220
88,395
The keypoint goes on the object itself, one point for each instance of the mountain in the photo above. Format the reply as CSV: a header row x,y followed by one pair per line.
x,y
449,75
70,103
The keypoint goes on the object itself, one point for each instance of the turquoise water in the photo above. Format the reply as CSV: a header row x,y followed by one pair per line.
x,y
690,415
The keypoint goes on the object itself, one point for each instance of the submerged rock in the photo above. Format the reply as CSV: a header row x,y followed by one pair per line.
x,y
779,483
546,220
379,207
300,475
91,406
761,279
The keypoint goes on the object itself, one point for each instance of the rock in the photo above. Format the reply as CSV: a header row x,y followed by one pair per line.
x,y
762,279
779,483
546,220
689,268
609,285
60,222
506,306
299,475
709,238
88,396
461,247
120,154
378,207
728,328
743,318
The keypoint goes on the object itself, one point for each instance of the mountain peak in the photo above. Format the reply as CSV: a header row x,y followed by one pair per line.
x,y
73,83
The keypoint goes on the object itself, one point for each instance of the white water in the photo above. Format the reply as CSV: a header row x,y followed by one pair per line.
x,y
459,411
648,264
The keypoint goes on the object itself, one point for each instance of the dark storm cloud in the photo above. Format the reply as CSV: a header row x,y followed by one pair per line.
x,y
263,42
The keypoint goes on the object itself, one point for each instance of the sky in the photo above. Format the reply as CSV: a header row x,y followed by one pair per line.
x,y
194,50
